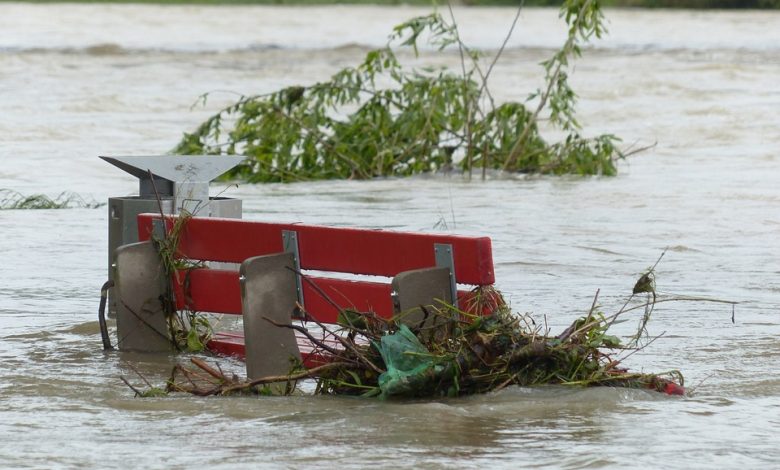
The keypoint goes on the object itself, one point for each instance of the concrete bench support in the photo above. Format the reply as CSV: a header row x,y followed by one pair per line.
x,y
428,287
140,285
268,290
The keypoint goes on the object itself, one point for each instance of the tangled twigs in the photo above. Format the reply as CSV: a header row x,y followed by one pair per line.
x,y
306,333
573,328
217,383
346,342
309,373
483,349
150,392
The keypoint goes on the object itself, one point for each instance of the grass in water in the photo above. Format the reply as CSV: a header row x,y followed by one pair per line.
x,y
10,199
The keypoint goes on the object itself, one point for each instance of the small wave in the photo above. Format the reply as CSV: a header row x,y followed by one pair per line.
x,y
105,49
682,249
703,52
96,50
602,251
113,49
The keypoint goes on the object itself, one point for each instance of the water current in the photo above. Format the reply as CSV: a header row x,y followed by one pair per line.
x,y
78,81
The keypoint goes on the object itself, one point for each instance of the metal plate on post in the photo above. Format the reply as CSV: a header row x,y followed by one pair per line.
x,y
268,292
140,283
290,245
158,229
445,259
123,229
427,287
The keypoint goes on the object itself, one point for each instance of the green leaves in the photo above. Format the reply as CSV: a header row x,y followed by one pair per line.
x,y
646,283
382,119
441,34
194,344
351,319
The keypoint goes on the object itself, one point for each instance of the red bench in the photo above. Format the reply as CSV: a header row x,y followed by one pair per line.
x,y
320,249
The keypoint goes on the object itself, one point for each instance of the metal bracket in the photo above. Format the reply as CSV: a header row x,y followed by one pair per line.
x,y
290,245
158,229
191,206
444,259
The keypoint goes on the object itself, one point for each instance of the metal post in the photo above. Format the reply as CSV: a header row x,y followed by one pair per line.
x,y
290,245
444,259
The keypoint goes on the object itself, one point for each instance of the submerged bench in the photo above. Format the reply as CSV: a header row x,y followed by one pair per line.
x,y
425,268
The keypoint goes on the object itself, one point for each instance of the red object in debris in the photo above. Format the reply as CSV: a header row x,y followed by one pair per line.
x,y
672,388
666,386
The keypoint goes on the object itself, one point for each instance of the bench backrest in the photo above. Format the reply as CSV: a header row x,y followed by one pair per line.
x,y
329,249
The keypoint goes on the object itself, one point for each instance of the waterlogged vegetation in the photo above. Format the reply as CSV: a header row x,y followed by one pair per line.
x,y
189,331
461,355
10,199
382,118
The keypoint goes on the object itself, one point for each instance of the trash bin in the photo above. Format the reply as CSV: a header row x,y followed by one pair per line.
x,y
176,183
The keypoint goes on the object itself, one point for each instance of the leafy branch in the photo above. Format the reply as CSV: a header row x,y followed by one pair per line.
x,y
381,118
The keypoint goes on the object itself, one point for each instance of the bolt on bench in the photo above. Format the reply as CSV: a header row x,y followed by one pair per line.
x,y
425,269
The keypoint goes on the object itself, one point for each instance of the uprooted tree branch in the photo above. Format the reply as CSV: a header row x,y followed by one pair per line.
x,y
384,119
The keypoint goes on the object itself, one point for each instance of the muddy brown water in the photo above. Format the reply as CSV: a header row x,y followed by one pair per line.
x,y
78,81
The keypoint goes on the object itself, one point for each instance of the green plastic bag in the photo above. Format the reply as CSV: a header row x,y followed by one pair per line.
x,y
410,366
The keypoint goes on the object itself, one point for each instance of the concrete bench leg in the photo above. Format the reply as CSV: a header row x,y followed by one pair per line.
x,y
268,290
427,287
140,283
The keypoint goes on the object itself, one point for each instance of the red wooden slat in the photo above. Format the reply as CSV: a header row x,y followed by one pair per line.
x,y
358,295
372,252
228,344
219,291
208,290
232,344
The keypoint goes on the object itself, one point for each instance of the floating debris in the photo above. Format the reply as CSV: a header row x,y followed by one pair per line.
x,y
450,353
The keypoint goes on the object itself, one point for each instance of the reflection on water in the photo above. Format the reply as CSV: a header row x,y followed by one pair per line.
x,y
123,82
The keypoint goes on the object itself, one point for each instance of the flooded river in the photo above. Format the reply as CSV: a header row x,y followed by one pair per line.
x,y
78,81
